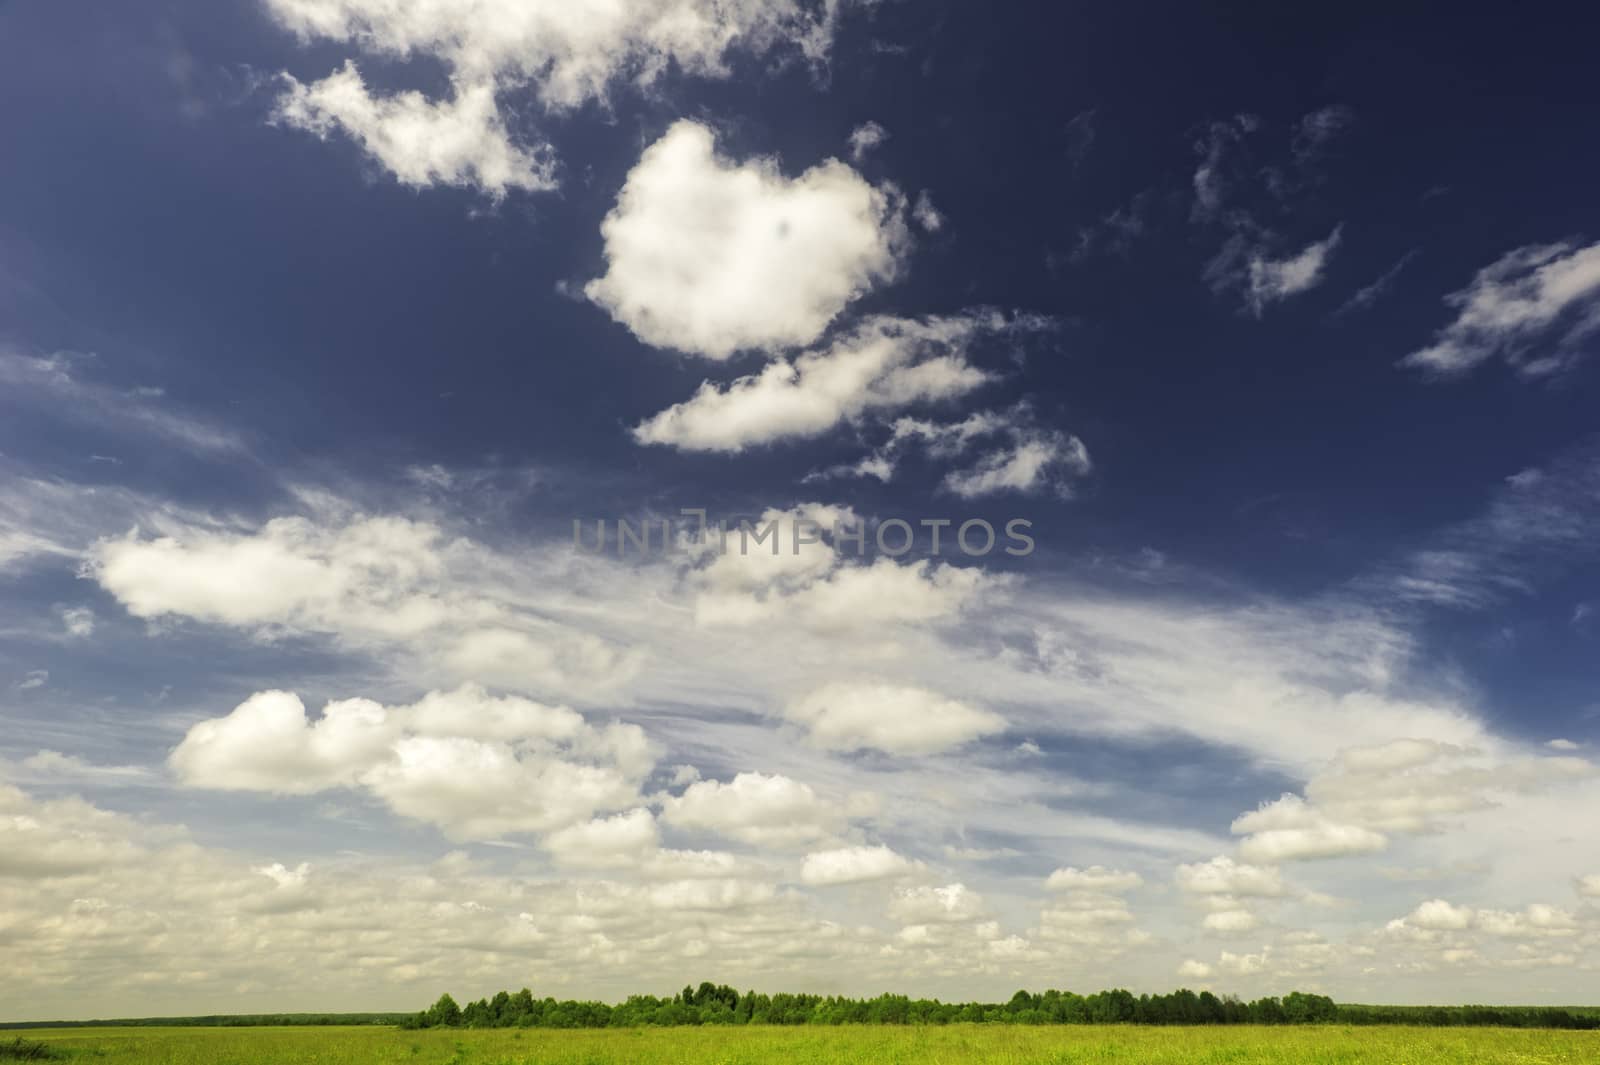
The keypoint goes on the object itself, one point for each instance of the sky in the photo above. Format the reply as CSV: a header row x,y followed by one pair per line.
x,y
1260,340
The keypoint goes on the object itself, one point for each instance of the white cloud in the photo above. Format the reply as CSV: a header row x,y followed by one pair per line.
x,y
883,364
63,837
618,841
569,52
34,678
95,901
1243,964
1229,922
1224,876
462,141
866,137
710,256
1290,830
1439,915
853,865
290,572
367,580
1059,658
267,743
54,763
816,587
1095,878
927,904
755,808
1194,970
1405,785
475,765
1531,307
1589,886
896,719
78,621
1273,280
926,214
1090,923
1036,459
1251,260
1016,453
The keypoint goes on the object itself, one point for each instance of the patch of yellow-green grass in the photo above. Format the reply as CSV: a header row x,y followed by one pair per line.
x,y
954,1045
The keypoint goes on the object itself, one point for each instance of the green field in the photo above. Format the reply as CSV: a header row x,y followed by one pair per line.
x,y
951,1045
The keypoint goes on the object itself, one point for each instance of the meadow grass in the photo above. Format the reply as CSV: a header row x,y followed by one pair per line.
x,y
868,1045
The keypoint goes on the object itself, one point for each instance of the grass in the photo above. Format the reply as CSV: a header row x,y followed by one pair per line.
x,y
20,1049
953,1045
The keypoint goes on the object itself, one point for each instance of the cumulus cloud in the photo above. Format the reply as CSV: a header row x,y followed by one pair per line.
x,y
883,364
1438,915
1243,964
1092,923
756,808
711,256
366,580
94,901
1531,307
290,572
895,719
817,587
620,841
1407,785
1229,922
1224,876
475,765
462,141
1290,830
1094,878
927,904
853,865
1439,933
64,837
568,52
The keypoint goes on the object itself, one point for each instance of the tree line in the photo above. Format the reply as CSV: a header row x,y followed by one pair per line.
x,y
712,1004
224,1020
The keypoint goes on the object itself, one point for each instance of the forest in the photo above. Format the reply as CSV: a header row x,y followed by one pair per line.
x,y
719,1004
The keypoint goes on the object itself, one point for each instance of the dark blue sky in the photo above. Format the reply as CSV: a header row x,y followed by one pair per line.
x,y
150,215
334,328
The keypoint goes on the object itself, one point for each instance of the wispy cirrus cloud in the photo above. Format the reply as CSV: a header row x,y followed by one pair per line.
x,y
1533,308
62,385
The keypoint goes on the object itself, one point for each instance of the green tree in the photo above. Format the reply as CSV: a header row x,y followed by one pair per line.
x,y
444,1013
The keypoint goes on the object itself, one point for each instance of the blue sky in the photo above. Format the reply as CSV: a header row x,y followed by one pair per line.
x,y
321,320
